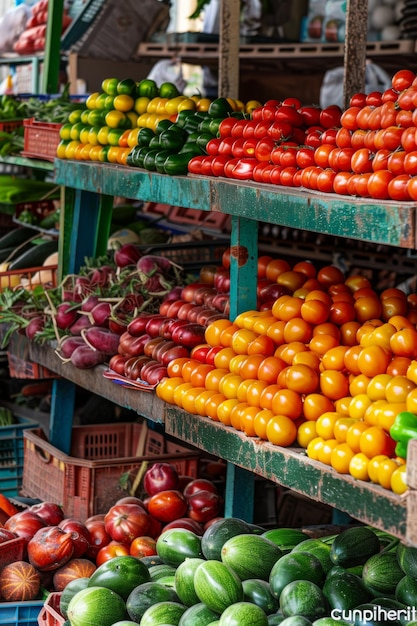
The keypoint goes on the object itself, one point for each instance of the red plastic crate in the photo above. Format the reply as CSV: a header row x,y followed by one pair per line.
x,y
40,140
11,551
50,614
89,481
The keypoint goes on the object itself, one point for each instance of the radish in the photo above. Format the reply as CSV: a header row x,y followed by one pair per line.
x,y
128,254
35,326
67,346
89,303
151,263
66,315
79,324
101,339
85,357
99,315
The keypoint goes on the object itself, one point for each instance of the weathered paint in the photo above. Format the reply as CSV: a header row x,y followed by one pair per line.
x,y
243,265
355,49
292,469
386,222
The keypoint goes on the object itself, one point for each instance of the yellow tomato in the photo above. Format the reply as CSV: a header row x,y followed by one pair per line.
x,y
123,103
70,149
251,105
306,432
260,422
171,107
340,458
358,466
325,424
103,135
385,471
60,151
132,139
203,104
95,153
112,153
399,480
313,447
224,410
358,405
187,105
325,451
373,466
90,103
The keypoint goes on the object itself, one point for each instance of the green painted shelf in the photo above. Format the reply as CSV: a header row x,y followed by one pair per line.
x,y
291,468
378,222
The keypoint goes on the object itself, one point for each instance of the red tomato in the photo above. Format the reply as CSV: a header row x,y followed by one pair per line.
x,y
291,102
217,165
280,131
225,126
374,98
261,129
348,118
343,138
310,115
357,100
143,546
340,182
124,522
238,147
226,145
330,116
249,129
264,148
321,154
110,551
287,176
402,80
286,113
362,161
195,165
325,180
389,95
167,505
410,163
305,157
238,128
329,136
212,146
409,139
313,138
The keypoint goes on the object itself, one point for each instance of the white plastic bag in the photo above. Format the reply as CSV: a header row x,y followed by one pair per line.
x,y
12,24
331,92
168,71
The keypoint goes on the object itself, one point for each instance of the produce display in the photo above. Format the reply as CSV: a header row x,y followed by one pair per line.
x,y
368,150
133,566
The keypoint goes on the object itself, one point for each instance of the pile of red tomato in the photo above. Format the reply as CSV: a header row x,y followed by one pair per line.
x,y
368,150
326,366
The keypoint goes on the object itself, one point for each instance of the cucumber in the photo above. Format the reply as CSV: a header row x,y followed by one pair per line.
x,y
218,533
259,592
368,615
303,597
96,606
406,591
295,566
184,581
344,591
35,256
243,614
163,613
198,615
285,538
15,237
69,592
381,574
177,544
145,595
217,585
320,550
250,556
354,546
407,558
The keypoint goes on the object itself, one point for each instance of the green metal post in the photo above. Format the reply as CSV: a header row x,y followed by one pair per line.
x,y
53,47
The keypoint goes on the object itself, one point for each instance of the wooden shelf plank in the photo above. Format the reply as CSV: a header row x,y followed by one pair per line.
x,y
385,222
146,404
291,468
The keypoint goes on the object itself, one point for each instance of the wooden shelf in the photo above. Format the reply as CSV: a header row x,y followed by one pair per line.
x,y
145,404
291,468
363,219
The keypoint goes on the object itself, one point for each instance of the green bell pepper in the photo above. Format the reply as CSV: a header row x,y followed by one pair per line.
x,y
402,431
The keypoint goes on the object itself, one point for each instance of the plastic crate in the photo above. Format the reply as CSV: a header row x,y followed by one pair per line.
x,y
41,139
11,551
8,126
88,482
20,613
39,209
12,455
191,255
28,278
50,614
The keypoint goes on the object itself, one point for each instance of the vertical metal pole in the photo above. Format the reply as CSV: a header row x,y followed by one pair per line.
x,y
229,49
53,47
355,48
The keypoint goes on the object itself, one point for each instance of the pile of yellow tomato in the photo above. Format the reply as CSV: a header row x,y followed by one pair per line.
x,y
327,368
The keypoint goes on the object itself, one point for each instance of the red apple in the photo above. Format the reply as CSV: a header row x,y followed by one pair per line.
x,y
50,512
160,477
204,505
24,524
199,484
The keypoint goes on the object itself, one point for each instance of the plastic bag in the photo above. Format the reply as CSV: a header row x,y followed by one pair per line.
x,y
12,24
331,92
168,71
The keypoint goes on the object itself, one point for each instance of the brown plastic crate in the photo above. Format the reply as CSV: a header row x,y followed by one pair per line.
x,y
88,482
50,614
40,140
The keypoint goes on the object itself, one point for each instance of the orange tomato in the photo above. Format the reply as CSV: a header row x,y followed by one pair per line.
x,y
254,392
341,426
287,402
212,404
226,335
297,329
377,385
249,365
305,357
358,384
224,410
351,359
314,311
411,402
325,451
261,345
306,432
353,434
214,329
143,546
222,358
301,378
247,420
334,384
241,339
404,343
313,447
321,343
373,360
330,275
287,351
213,378
325,424
375,440
188,398
199,373
385,470
165,389
348,332
281,431
276,332
110,551
398,388
315,404
292,280
334,359
229,384
269,369
286,308
260,422
275,267
267,395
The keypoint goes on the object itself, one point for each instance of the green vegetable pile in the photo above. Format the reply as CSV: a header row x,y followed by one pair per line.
x,y
53,110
